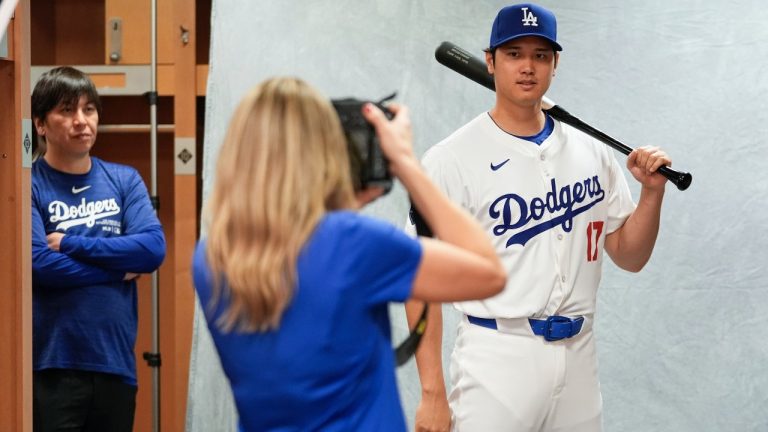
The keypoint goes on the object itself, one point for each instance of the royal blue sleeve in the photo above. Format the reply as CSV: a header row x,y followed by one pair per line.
x,y
141,247
55,269
391,260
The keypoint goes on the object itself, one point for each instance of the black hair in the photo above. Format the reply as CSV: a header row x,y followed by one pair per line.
x,y
63,84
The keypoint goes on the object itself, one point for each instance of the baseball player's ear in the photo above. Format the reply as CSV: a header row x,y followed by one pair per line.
x,y
489,61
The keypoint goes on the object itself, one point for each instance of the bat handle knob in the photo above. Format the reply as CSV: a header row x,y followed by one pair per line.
x,y
685,181
681,179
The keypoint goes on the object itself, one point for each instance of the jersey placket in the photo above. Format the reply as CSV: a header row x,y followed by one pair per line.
x,y
556,239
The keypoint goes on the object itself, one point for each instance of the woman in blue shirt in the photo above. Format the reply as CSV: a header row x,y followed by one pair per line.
x,y
295,283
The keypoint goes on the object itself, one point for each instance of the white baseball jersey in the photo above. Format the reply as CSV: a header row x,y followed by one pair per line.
x,y
547,209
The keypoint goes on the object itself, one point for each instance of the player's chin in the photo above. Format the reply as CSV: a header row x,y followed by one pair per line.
x,y
528,96
530,100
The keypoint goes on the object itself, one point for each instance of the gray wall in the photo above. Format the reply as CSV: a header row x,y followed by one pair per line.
x,y
682,345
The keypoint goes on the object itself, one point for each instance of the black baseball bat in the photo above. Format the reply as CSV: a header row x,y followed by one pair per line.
x,y
460,60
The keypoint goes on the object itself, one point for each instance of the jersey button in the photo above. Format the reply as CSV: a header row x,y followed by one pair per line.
x,y
542,157
562,278
559,236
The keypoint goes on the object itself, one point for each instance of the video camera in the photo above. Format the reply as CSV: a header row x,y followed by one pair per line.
x,y
368,163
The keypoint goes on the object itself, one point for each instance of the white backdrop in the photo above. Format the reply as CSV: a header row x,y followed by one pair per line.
x,y
683,344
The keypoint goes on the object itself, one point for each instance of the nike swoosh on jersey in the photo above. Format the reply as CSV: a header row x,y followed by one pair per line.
x,y
78,190
499,165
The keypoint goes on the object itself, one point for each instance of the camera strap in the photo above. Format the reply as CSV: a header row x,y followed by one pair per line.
x,y
386,99
408,347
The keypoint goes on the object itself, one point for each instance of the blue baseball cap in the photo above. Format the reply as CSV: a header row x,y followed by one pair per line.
x,y
521,20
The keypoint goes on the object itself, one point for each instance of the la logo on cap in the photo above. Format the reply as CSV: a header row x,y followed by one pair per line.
x,y
529,19
536,21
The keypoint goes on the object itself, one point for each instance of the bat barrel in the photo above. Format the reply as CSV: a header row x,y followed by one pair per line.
x,y
462,61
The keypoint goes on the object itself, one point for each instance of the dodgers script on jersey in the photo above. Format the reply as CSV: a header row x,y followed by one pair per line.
x,y
547,209
81,208
86,213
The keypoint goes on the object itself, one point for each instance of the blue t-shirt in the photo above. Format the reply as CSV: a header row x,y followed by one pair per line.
x,y
84,315
330,365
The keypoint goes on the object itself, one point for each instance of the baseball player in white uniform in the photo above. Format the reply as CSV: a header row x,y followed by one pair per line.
x,y
554,201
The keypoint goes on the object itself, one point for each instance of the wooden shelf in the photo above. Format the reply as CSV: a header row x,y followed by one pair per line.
x,y
131,80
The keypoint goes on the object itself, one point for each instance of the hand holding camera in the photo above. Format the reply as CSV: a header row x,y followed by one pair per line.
x,y
392,126
378,138
395,136
369,165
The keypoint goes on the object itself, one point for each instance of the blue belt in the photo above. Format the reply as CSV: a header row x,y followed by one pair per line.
x,y
553,328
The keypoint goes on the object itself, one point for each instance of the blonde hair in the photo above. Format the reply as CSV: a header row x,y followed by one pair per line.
x,y
282,165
